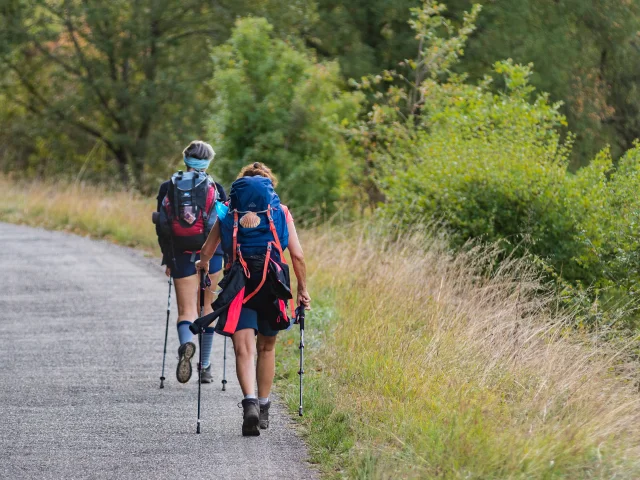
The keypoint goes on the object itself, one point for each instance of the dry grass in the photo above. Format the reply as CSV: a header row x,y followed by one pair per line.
x,y
446,372
121,217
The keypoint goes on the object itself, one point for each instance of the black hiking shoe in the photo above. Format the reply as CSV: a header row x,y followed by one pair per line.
x,y
185,354
205,376
251,417
264,415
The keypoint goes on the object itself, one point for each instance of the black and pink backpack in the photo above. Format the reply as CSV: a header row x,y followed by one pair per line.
x,y
190,209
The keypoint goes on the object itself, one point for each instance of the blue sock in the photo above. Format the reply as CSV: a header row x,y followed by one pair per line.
x,y
184,334
207,346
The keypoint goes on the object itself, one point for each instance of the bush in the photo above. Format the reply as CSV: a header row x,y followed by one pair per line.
x,y
493,166
490,167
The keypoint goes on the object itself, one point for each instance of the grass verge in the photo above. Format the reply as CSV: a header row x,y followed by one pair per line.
x,y
418,364
427,367
119,216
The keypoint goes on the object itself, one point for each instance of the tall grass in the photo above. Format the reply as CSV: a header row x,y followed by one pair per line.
x,y
421,364
119,216
443,370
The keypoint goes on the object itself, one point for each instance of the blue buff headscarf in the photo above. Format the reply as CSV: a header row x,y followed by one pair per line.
x,y
196,163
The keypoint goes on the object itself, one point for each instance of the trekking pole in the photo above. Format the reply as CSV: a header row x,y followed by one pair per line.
x,y
202,288
300,319
224,366
166,333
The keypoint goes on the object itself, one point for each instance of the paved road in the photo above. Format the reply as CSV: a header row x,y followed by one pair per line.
x,y
81,332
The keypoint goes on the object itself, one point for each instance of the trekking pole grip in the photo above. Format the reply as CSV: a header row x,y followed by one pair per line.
x,y
203,286
300,314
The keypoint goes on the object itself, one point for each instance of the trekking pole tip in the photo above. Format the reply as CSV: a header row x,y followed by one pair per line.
x,y
300,411
161,382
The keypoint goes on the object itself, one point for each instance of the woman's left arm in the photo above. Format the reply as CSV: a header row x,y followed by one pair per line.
x,y
299,265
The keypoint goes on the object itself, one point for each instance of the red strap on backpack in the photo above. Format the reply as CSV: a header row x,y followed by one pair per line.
x,y
275,235
265,269
243,263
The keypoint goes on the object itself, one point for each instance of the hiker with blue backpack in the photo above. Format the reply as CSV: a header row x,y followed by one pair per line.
x,y
254,230
186,212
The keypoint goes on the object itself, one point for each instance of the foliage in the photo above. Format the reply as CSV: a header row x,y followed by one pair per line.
x,y
119,78
365,35
274,104
130,88
493,166
490,166
606,207
585,53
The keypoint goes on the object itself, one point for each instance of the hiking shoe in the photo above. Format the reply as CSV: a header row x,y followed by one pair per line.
x,y
264,415
205,375
185,354
251,417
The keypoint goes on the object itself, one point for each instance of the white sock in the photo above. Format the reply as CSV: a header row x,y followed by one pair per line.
x,y
250,396
263,401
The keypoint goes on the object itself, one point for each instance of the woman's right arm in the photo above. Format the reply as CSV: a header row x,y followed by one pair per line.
x,y
299,265
209,247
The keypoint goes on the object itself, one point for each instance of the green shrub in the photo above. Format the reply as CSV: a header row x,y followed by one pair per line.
x,y
494,166
490,167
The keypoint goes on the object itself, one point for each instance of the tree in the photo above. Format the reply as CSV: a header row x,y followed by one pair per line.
x,y
125,74
275,104
585,53
365,35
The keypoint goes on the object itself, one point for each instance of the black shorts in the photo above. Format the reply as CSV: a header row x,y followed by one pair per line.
x,y
251,319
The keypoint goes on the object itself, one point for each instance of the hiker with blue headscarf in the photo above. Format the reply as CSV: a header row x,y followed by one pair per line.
x,y
186,212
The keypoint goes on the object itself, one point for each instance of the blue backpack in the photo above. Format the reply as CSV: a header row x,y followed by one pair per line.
x,y
254,235
255,222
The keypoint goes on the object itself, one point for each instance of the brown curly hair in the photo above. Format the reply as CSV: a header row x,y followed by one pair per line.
x,y
258,169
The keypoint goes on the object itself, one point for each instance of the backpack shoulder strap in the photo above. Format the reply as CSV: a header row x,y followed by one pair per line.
x,y
235,234
174,190
207,209
272,227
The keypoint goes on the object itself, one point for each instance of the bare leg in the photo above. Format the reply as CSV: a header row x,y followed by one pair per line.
x,y
266,364
187,297
244,344
208,293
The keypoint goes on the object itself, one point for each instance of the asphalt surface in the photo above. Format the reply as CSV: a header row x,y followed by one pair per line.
x,y
81,336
